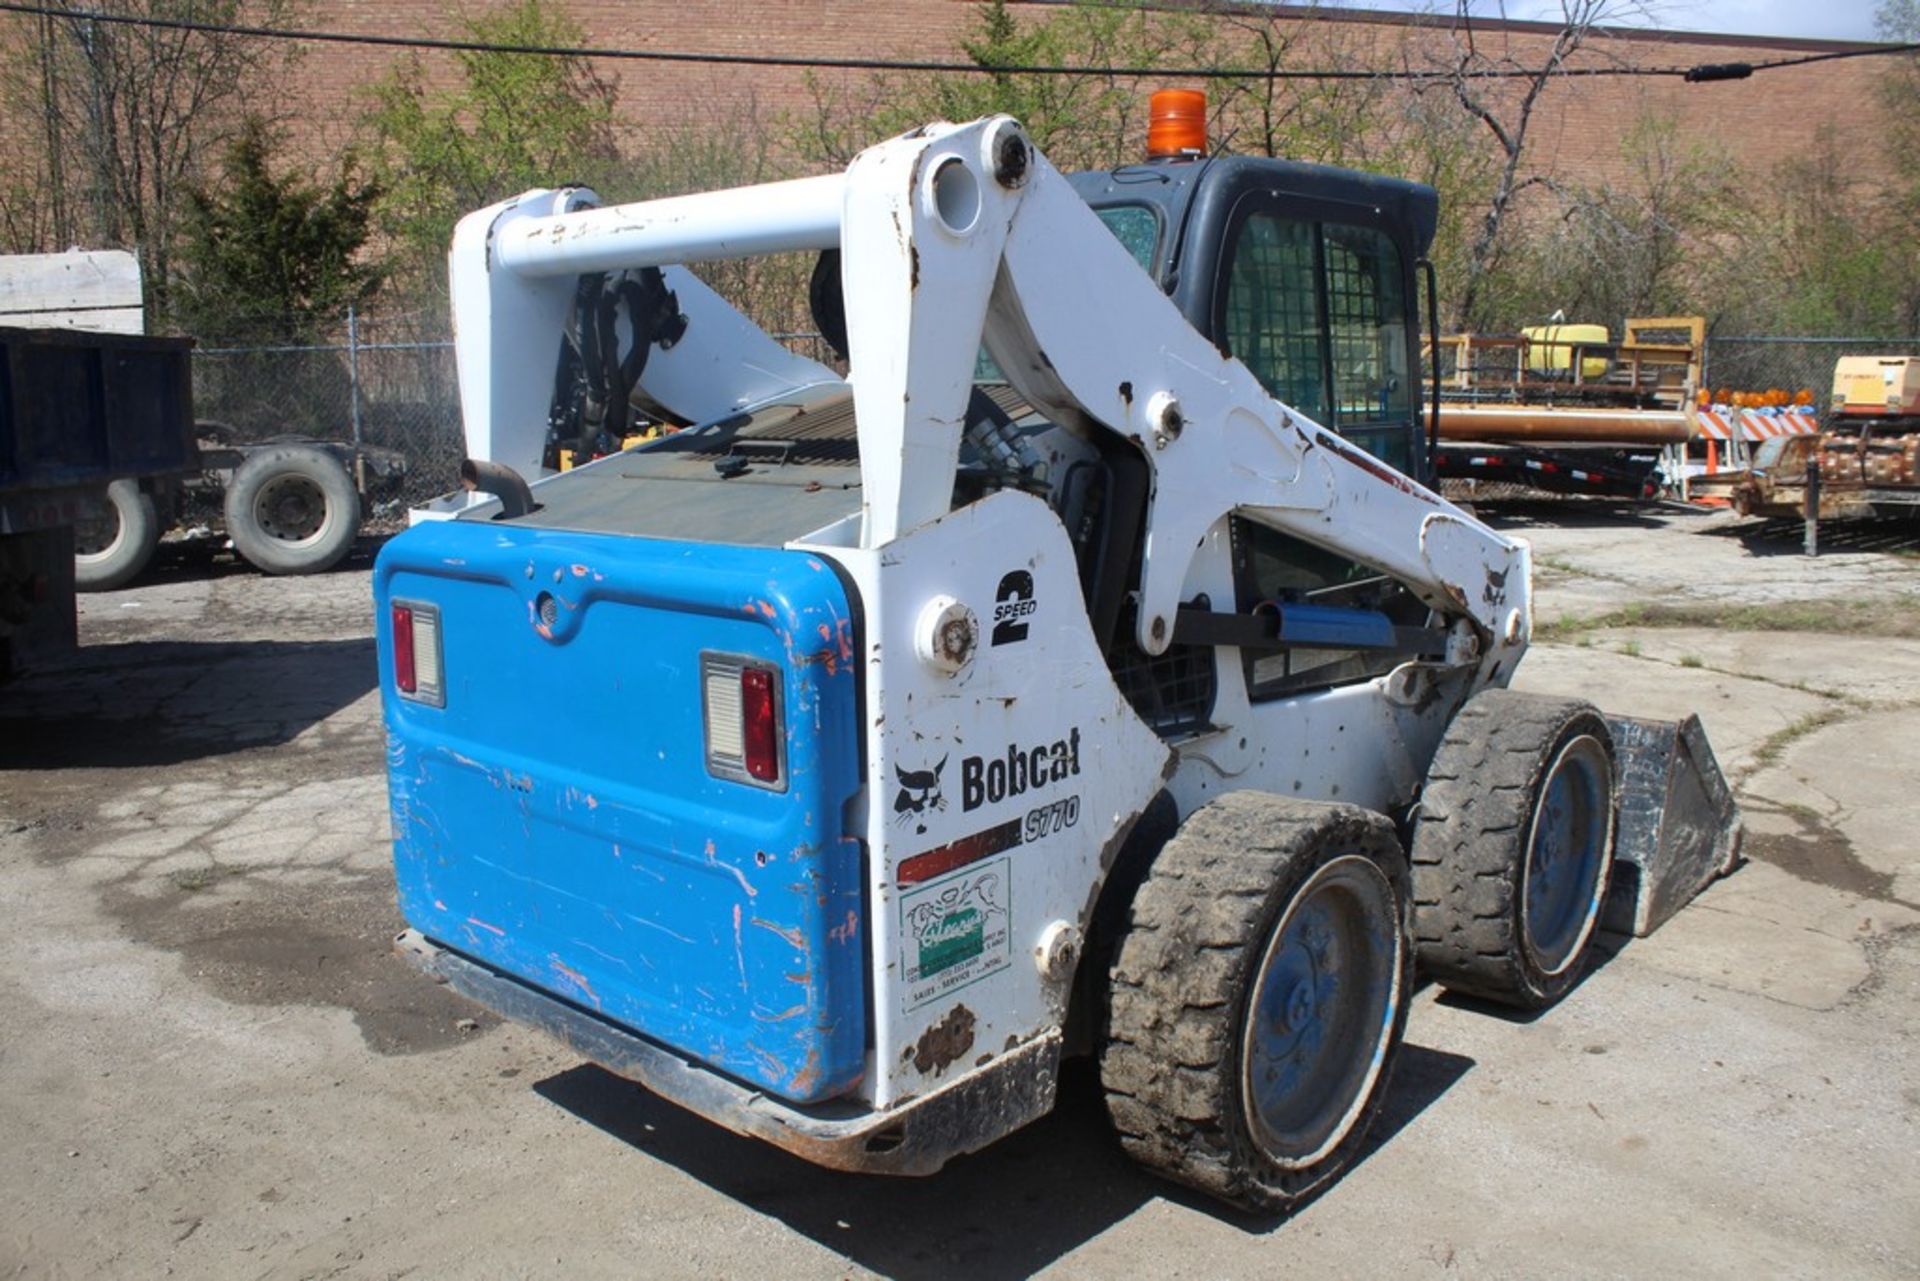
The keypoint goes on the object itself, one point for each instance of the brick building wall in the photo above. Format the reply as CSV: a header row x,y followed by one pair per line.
x,y
1761,121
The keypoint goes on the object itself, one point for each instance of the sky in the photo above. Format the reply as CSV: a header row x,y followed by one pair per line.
x,y
1826,19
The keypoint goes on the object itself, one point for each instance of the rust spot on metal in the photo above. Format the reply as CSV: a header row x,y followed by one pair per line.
x,y
791,1012
793,936
847,930
914,251
808,1075
943,1044
576,978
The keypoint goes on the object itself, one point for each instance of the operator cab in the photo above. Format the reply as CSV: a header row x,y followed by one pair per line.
x,y
1304,272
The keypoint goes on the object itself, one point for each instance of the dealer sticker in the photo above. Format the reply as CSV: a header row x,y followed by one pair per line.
x,y
956,931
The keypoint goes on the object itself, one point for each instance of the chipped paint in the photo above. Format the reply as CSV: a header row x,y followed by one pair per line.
x,y
739,949
791,935
575,979
791,1012
847,930
740,876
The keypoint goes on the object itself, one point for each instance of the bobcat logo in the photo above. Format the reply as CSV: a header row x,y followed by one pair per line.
x,y
919,793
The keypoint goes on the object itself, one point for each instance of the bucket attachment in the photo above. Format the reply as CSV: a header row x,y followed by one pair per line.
x,y
1678,826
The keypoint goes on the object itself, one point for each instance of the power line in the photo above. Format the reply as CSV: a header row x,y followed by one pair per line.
x,y
1717,71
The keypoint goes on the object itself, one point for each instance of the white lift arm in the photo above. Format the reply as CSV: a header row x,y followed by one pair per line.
x,y
951,236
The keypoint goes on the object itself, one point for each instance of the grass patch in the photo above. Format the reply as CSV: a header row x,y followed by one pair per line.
x,y
1692,660
191,880
1896,616
1631,649
1770,748
1559,566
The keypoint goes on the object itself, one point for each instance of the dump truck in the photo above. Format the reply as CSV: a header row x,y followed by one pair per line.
x,y
88,406
289,504
838,764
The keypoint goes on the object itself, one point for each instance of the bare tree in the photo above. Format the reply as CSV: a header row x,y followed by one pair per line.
x,y
1506,104
131,115
1334,121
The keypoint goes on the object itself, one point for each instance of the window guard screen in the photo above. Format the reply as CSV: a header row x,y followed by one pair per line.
x,y
1272,320
1317,311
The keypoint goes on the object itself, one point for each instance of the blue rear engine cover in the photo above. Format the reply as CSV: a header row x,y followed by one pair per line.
x,y
556,819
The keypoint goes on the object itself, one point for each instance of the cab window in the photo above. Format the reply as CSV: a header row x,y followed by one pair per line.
x,y
1366,326
1317,311
1136,227
1273,313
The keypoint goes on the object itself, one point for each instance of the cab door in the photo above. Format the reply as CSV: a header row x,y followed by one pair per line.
x,y
1317,303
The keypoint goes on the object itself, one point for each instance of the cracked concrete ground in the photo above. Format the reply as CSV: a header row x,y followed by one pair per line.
x,y
213,1066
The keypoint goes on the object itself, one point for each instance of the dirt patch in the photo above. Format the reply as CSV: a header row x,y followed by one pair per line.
x,y
1823,855
269,947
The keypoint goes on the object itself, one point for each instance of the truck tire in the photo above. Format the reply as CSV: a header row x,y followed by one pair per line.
x,y
292,509
1512,844
1258,998
113,545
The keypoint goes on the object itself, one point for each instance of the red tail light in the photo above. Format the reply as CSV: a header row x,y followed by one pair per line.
x,y
416,653
760,724
740,701
403,675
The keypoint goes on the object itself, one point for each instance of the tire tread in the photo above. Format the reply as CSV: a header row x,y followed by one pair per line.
x,y
1180,977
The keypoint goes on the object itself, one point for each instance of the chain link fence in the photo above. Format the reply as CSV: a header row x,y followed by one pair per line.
x,y
1756,364
383,384
387,384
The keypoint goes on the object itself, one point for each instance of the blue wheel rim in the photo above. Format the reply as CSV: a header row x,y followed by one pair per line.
x,y
1568,844
1321,1013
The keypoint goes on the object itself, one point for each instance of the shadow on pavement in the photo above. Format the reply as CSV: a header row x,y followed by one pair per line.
x,y
1600,953
1787,536
1574,513
190,560
147,703
1005,1212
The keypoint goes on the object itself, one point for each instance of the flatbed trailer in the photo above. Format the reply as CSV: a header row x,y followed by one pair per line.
x,y
1558,412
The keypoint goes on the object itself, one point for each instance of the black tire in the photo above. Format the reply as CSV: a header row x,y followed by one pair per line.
x,y
292,509
1505,905
112,546
1231,919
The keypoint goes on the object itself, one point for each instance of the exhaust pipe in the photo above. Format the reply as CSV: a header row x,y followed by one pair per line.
x,y
500,481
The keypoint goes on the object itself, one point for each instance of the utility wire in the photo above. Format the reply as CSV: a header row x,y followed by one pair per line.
x,y
1710,72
